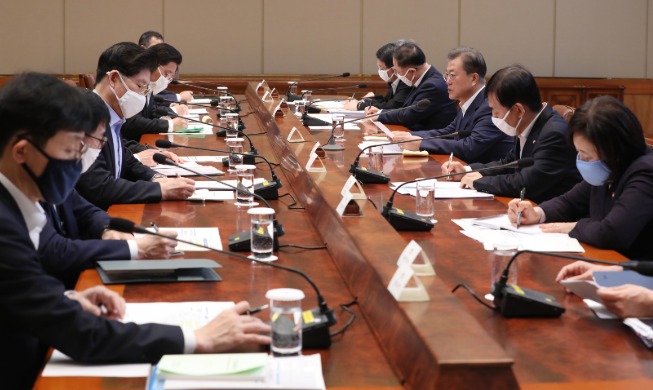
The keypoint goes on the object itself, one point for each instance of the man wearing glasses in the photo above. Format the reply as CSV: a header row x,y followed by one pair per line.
x,y
117,177
411,68
147,122
483,142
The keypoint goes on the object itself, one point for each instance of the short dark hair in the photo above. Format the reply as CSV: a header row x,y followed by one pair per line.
x,y
166,54
472,59
98,109
384,54
407,53
37,106
614,130
127,58
515,84
147,36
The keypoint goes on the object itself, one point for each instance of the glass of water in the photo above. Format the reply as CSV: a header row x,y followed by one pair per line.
x,y
262,233
308,96
245,184
338,126
376,159
424,198
300,108
286,319
222,91
235,147
232,125
292,87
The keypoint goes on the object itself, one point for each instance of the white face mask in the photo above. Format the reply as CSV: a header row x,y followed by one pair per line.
x,y
89,158
502,125
160,84
383,74
131,103
404,79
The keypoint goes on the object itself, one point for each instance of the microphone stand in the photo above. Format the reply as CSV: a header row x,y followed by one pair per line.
x,y
315,334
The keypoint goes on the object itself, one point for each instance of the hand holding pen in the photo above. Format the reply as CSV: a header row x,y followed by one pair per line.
x,y
450,164
522,193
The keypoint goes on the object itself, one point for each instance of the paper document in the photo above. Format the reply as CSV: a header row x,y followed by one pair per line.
x,y
198,159
197,111
170,170
202,236
501,221
200,101
208,195
387,148
197,128
443,190
349,114
384,129
191,314
218,366
329,104
222,184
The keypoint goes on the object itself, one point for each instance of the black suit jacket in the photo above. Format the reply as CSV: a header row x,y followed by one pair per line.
x,y
440,112
100,186
36,315
147,122
617,216
71,240
485,142
391,99
553,173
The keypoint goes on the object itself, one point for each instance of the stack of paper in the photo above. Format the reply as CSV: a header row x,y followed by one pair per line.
x,y
222,185
171,170
197,159
443,190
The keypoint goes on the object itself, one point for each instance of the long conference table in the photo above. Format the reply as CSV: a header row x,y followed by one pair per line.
x,y
448,342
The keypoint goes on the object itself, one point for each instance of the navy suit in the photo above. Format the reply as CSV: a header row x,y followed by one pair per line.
x,y
617,216
440,112
100,186
36,315
71,240
147,122
485,142
553,172
392,99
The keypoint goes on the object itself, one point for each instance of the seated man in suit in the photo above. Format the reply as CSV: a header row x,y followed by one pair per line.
x,y
412,69
123,77
397,90
148,121
539,133
43,121
152,38
478,140
76,236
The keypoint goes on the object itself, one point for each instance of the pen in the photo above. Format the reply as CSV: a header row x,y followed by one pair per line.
x,y
522,193
155,226
450,162
256,309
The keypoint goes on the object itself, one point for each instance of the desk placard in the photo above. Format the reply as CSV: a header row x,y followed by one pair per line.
x,y
278,112
353,183
346,198
410,254
295,136
311,160
264,85
274,93
399,289
265,97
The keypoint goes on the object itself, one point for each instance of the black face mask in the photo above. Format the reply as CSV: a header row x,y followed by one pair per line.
x,y
58,179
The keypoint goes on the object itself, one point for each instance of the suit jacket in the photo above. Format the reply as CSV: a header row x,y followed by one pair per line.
x,y
617,216
391,99
553,173
100,186
485,142
147,122
71,241
37,315
440,112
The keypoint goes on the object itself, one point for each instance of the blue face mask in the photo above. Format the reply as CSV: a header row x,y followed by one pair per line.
x,y
593,172
58,178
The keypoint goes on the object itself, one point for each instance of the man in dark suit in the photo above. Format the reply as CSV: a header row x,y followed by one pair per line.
x,y
117,177
427,83
539,133
43,123
397,90
478,140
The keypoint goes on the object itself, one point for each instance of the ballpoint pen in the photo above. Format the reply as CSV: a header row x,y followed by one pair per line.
x,y
257,309
522,193
450,162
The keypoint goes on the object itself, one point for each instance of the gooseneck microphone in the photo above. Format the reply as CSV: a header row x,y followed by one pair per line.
x,y
360,86
403,220
315,333
213,102
164,111
239,242
332,145
528,303
368,176
267,189
292,97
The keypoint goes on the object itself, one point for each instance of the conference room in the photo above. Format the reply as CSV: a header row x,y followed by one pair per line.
x,y
378,311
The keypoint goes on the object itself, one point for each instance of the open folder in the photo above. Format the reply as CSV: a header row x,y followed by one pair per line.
x,y
158,271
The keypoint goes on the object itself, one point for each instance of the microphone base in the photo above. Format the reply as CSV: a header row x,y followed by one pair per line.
x,y
518,302
242,242
367,176
310,121
268,190
405,221
292,97
247,160
316,334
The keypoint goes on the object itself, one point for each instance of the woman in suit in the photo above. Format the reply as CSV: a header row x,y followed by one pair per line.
x,y
612,207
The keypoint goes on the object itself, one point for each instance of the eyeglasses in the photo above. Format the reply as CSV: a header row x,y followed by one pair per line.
x,y
102,141
168,76
449,77
143,89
